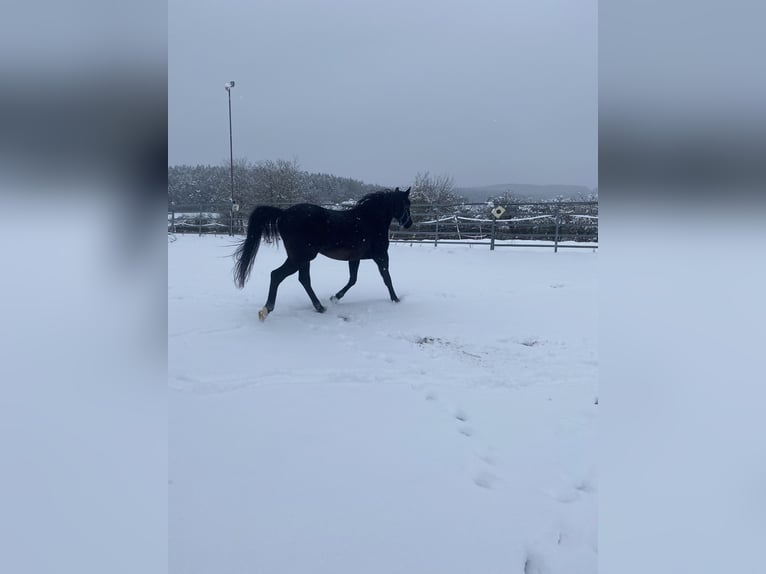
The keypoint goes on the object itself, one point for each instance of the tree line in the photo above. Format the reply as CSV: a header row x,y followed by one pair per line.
x,y
282,181
266,182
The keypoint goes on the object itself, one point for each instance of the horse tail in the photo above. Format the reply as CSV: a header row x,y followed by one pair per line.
x,y
261,225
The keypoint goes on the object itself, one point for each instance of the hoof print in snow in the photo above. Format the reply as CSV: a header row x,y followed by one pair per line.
x,y
426,340
466,431
530,342
595,402
488,459
567,497
431,396
461,416
343,318
484,480
534,565
584,486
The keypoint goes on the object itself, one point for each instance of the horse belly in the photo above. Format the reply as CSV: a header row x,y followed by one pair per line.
x,y
344,253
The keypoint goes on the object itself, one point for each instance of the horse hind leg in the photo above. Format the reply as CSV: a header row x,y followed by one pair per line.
x,y
304,276
277,276
353,269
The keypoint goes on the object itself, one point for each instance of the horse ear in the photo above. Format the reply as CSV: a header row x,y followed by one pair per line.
x,y
397,189
408,190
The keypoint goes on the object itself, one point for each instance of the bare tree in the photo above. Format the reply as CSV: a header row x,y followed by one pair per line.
x,y
261,183
244,182
433,190
275,182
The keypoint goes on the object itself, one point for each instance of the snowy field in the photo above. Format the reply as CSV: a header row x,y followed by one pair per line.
x,y
453,432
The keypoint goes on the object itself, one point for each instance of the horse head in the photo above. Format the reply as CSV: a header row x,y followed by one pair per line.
x,y
403,207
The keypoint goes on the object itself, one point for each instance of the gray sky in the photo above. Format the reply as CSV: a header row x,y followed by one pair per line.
x,y
488,91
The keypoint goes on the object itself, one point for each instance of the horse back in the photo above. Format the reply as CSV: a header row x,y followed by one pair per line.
x,y
344,235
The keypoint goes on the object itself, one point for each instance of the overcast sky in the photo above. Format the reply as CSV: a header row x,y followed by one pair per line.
x,y
488,91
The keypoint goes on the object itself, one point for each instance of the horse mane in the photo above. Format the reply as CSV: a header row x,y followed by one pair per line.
x,y
374,197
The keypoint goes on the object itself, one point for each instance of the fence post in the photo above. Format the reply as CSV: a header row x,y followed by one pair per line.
x,y
556,238
436,238
492,240
173,220
200,220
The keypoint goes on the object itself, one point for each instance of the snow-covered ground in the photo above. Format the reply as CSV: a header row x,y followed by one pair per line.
x,y
451,432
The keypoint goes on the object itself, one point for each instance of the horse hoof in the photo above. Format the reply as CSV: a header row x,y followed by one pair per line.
x,y
321,309
263,313
395,299
334,299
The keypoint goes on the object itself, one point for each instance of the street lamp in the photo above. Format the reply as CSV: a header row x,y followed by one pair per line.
x,y
229,86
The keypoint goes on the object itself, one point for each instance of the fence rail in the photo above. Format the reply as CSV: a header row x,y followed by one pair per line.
x,y
560,225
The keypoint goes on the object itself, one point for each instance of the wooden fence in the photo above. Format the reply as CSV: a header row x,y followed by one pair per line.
x,y
564,224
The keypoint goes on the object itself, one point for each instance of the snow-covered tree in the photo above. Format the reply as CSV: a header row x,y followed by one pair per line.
x,y
433,190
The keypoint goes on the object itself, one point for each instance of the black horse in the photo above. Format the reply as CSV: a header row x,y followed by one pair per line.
x,y
307,230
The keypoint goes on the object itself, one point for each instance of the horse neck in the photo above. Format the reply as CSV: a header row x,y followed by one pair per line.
x,y
382,212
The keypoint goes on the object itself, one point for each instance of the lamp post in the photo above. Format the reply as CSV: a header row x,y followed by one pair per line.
x,y
229,86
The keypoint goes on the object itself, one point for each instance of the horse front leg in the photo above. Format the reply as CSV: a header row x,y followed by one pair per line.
x,y
382,262
353,269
